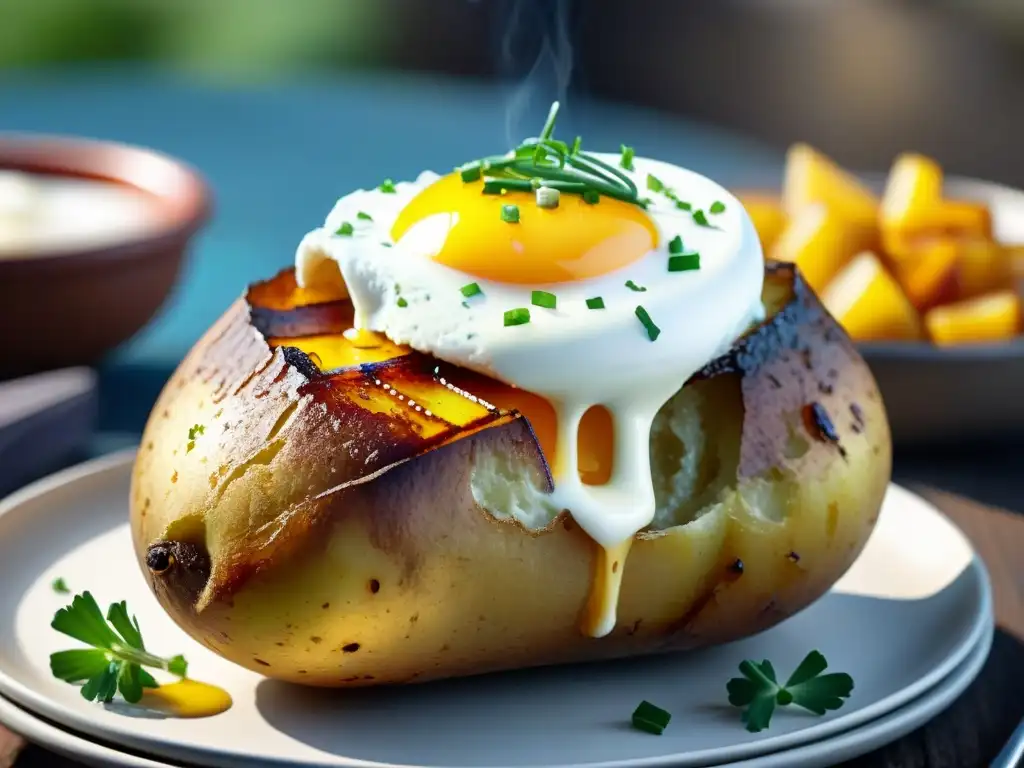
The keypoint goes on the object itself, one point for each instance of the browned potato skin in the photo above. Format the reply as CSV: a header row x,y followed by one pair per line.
x,y
329,546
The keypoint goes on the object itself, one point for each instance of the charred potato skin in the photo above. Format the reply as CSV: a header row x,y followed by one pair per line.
x,y
312,540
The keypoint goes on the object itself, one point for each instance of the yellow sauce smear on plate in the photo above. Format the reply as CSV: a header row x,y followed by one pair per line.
x,y
187,699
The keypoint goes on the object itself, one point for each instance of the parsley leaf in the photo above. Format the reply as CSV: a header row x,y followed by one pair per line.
x,y
758,691
814,691
118,654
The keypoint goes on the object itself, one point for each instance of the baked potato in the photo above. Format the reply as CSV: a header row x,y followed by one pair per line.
x,y
295,514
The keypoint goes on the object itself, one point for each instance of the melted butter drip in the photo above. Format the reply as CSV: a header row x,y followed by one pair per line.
x,y
187,699
609,565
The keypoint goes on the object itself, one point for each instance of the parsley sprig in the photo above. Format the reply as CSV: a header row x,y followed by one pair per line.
x,y
552,163
758,691
115,662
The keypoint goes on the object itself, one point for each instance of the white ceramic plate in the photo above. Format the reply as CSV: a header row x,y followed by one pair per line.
x,y
961,392
818,754
904,617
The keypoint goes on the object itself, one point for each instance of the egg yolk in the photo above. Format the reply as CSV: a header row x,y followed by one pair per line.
x,y
574,241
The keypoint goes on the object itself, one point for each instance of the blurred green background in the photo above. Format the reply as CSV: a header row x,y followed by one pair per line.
x,y
245,39
861,79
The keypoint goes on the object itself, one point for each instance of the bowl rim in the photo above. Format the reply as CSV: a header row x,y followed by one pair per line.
x,y
186,201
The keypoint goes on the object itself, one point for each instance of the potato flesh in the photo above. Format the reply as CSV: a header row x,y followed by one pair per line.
x,y
695,441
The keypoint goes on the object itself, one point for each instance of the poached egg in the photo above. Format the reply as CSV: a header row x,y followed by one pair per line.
x,y
601,307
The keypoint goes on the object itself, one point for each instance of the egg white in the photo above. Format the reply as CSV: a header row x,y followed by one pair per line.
x,y
437,319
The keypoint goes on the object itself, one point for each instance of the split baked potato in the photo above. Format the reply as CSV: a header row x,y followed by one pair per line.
x,y
295,514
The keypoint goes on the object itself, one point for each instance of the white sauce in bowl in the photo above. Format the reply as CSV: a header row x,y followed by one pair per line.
x,y
42,213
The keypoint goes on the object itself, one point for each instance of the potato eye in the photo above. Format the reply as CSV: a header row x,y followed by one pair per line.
x,y
159,558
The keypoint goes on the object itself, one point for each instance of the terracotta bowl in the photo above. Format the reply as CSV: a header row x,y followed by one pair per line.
x,y
71,305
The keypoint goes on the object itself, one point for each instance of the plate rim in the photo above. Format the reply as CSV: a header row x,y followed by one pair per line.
x,y
119,461
47,735
908,718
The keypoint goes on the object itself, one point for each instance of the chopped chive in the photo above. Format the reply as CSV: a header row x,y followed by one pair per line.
x,y
683,205
717,207
654,183
402,302
386,245
626,161
684,262
701,219
634,287
549,124
595,303
520,316
543,299
465,304
364,216
502,185
510,213
470,289
548,197
550,162
387,186
675,245
60,586
653,331
346,229
647,717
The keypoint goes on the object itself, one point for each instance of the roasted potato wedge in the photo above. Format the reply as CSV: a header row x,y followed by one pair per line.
x,y
331,521
820,242
765,211
991,318
929,274
813,179
869,303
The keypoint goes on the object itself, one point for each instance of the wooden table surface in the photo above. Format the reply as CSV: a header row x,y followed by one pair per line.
x,y
967,735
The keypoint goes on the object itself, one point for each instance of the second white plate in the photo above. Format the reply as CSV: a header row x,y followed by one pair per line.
x,y
907,614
